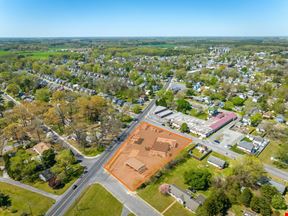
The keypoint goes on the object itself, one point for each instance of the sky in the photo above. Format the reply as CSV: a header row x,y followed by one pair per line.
x,y
122,18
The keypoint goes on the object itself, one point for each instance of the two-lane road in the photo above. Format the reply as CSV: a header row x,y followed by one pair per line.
x,y
63,203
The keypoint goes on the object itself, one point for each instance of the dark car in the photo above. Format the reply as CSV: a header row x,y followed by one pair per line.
x,y
74,187
217,141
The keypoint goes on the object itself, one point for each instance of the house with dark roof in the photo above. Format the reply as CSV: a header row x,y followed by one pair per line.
x,y
217,162
46,175
185,198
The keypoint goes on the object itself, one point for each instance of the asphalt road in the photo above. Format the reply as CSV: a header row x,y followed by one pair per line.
x,y
28,187
224,151
67,199
130,200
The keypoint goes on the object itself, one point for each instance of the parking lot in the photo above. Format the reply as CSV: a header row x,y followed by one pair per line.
x,y
228,137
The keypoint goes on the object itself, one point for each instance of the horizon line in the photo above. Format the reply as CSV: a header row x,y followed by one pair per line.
x,y
247,36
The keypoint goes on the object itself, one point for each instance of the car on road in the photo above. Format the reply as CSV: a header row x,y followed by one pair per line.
x,y
217,141
74,187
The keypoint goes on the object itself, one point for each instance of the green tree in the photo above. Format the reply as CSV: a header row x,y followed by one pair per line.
x,y
268,191
216,203
245,197
198,179
256,119
278,202
228,105
180,74
161,102
248,171
66,166
183,105
48,158
13,89
260,205
255,204
237,101
43,94
4,200
184,128
136,109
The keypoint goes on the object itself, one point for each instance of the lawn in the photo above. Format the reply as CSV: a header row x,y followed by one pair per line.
x,y
177,209
45,187
96,200
195,113
237,150
91,151
270,151
175,176
23,200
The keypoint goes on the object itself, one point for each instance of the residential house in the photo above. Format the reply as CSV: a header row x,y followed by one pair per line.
x,y
246,146
280,119
46,175
217,162
185,198
266,181
41,147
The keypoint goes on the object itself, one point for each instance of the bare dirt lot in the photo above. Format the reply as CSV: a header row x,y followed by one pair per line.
x,y
144,152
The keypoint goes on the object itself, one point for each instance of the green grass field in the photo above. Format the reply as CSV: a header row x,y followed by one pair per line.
x,y
4,53
152,195
175,209
41,54
96,201
23,200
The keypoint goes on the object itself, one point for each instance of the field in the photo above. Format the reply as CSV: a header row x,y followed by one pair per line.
x,y
152,195
144,152
22,201
96,201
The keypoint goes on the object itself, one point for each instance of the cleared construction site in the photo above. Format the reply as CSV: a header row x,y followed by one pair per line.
x,y
143,153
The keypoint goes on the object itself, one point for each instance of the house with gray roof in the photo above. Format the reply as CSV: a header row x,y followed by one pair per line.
x,y
217,162
266,181
185,198
246,146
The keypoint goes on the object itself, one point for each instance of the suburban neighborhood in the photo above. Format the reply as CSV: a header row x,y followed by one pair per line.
x,y
123,125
